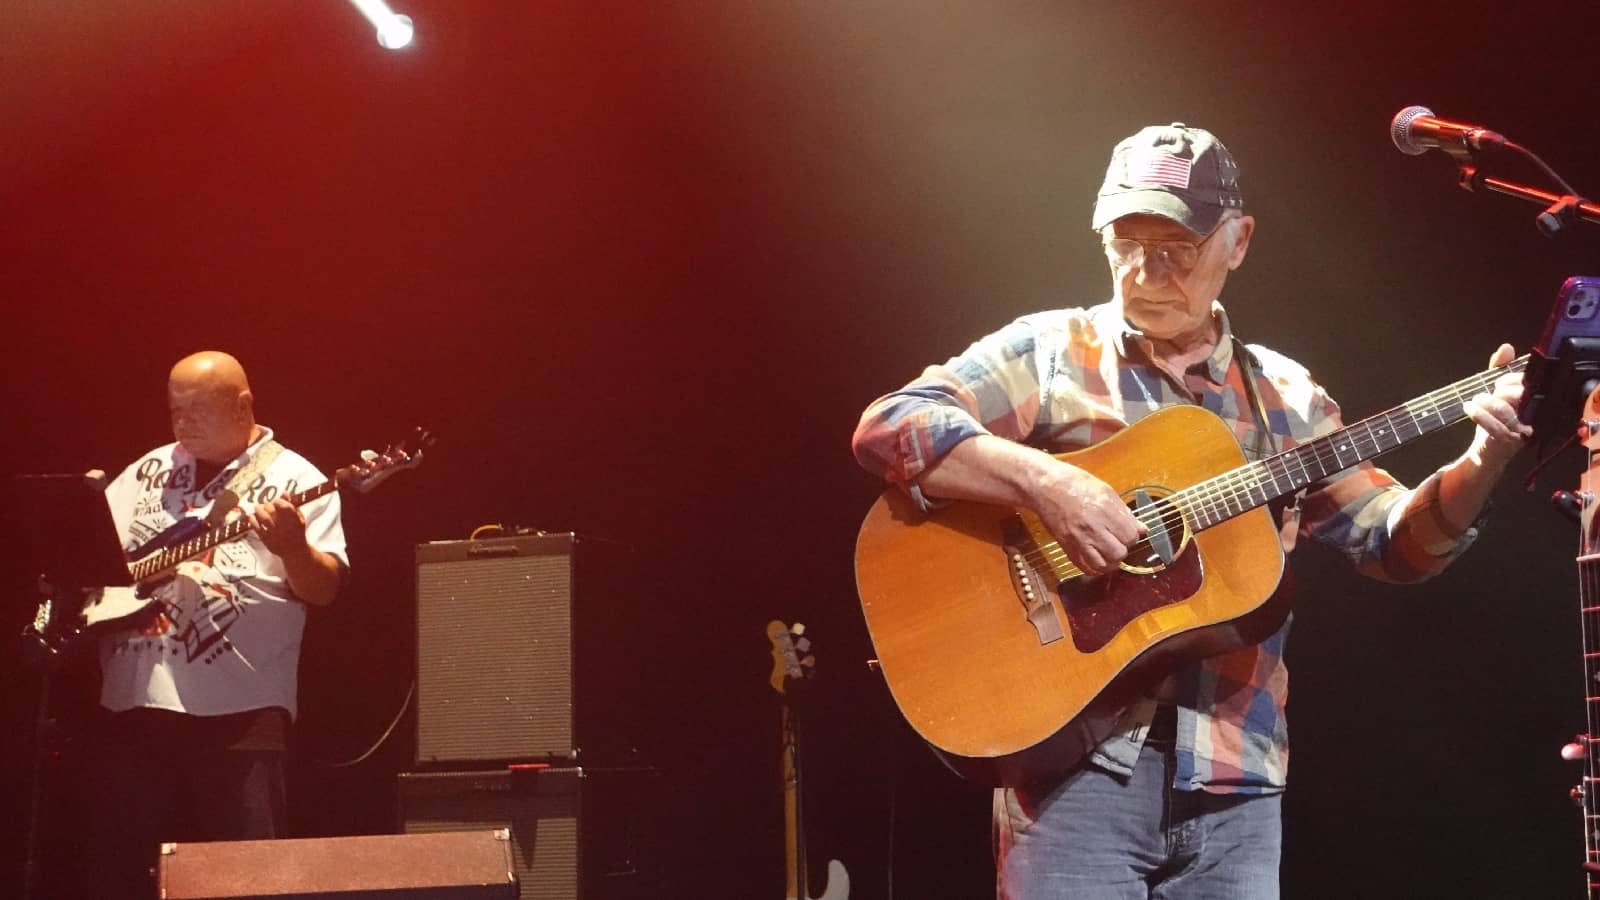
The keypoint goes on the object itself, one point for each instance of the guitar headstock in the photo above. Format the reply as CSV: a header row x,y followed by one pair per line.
x,y
792,662
374,468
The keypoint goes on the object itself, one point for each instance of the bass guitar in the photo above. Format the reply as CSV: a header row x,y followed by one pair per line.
x,y
1005,657
792,665
157,560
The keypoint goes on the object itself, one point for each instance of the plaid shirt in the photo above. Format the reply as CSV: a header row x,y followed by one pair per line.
x,y
1066,379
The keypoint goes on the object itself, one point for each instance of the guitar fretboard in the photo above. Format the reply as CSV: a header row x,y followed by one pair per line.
x,y
166,559
1227,495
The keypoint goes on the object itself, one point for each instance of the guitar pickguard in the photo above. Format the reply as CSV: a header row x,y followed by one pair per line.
x,y
1098,608
1162,569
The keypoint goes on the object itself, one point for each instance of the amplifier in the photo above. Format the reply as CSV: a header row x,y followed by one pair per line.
x,y
463,865
507,649
575,832
539,807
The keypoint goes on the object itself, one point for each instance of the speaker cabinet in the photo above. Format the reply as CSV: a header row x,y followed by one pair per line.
x,y
506,650
463,865
576,833
540,807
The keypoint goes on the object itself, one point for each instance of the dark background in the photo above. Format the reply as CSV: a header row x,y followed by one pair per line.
x,y
641,265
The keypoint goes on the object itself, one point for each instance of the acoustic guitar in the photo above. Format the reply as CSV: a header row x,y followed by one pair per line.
x,y
1007,659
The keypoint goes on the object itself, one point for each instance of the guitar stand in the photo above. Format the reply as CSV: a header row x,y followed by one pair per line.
x,y
44,657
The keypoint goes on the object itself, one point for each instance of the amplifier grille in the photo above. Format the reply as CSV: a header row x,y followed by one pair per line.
x,y
494,650
542,815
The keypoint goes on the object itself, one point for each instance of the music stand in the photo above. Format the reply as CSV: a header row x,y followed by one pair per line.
x,y
62,530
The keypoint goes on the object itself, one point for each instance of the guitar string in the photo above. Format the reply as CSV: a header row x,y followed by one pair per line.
x,y
392,459
1589,580
1220,493
167,557
1214,499
1587,596
1360,436
1216,496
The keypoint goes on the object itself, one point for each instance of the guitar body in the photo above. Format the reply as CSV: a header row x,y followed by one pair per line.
x,y
838,885
184,529
109,608
113,607
1007,685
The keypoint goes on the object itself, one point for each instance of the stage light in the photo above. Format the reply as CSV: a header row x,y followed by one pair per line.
x,y
394,30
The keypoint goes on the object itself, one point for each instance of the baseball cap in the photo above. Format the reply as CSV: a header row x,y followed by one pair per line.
x,y
1174,171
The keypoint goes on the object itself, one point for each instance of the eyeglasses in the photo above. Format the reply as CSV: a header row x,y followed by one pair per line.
x,y
1179,256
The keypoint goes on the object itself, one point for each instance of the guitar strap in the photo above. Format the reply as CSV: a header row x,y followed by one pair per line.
x,y
1264,443
228,497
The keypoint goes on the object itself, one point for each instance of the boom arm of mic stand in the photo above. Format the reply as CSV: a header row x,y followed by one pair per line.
x,y
1560,209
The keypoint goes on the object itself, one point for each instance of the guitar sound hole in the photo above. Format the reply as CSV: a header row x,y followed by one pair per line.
x,y
1168,531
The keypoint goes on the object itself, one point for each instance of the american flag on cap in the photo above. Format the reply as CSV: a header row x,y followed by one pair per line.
x,y
1154,167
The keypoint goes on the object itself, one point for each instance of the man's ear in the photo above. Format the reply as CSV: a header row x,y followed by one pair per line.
x,y
1241,240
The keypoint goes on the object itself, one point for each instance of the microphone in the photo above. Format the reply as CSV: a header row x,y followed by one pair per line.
x,y
1415,130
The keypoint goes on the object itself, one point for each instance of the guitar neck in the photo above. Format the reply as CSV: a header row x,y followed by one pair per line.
x,y
162,562
1247,487
1589,627
794,838
1589,604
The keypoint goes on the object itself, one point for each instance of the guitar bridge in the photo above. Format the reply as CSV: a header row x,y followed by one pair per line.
x,y
1032,580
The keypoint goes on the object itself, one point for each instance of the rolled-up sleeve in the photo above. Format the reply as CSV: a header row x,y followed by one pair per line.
x,y
991,388
1384,529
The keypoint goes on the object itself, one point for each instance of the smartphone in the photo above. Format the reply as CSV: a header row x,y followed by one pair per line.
x,y
1565,365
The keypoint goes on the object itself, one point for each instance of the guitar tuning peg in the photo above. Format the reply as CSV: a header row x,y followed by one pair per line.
x,y
803,645
1570,503
797,629
1575,749
368,455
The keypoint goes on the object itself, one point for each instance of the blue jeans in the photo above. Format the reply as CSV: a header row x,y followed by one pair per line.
x,y
1094,837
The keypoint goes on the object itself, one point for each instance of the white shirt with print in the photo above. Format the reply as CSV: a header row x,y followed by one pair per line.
x,y
226,637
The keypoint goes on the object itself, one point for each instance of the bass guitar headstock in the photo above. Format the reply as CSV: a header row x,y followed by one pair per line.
x,y
375,468
792,662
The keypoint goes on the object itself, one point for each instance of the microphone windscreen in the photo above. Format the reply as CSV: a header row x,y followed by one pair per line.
x,y
1400,129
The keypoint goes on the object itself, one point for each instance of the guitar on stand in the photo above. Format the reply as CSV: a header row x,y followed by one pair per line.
x,y
792,666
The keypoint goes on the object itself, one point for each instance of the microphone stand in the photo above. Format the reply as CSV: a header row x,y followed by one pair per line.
x,y
1560,209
